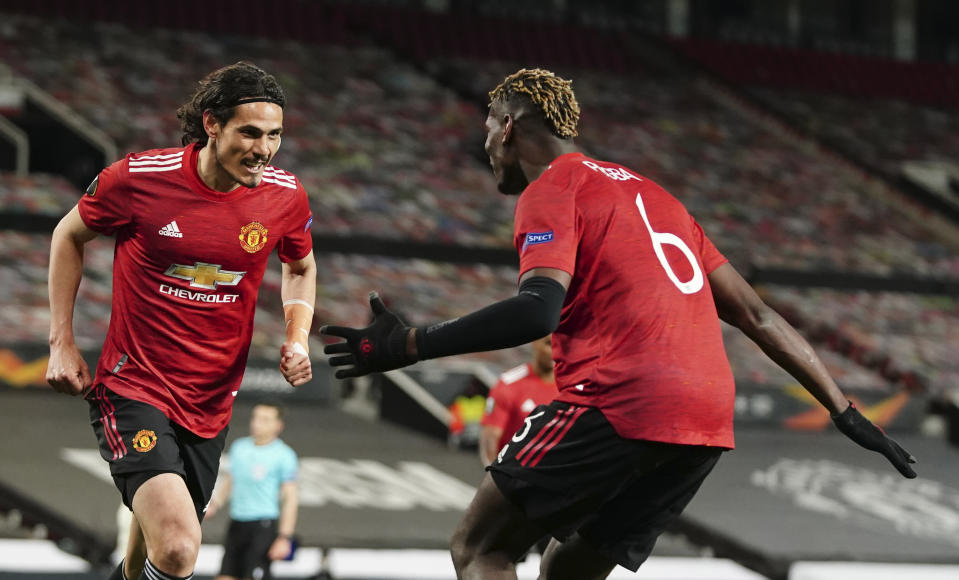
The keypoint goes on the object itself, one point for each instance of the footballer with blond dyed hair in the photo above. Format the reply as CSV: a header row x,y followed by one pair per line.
x,y
633,291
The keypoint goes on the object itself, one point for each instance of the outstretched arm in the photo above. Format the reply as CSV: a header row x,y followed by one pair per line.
x,y
739,305
389,343
67,372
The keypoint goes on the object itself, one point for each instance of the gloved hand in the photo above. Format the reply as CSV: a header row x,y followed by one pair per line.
x,y
862,431
379,347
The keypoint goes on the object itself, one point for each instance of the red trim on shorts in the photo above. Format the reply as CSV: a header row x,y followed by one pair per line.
x,y
561,432
543,437
109,421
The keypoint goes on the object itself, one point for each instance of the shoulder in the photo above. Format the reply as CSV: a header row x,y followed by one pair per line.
x,y
275,176
514,374
241,443
154,161
284,449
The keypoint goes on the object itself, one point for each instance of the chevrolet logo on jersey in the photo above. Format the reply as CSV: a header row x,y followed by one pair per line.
x,y
202,275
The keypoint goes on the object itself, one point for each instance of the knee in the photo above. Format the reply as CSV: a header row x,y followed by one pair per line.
x,y
460,551
176,553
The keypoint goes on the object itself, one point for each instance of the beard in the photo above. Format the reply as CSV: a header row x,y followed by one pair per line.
x,y
514,180
249,181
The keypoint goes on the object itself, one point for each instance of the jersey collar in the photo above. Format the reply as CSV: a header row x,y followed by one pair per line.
x,y
565,158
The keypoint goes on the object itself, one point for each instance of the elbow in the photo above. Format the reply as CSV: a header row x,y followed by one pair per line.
x,y
541,322
759,323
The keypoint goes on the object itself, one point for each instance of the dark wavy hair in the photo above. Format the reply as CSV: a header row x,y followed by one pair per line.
x,y
220,92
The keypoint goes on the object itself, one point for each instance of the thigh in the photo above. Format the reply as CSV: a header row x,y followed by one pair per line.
x,y
201,464
492,524
574,559
562,466
667,477
164,509
136,439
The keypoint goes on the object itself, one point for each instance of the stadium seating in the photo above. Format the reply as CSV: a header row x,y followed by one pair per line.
x,y
387,150
36,194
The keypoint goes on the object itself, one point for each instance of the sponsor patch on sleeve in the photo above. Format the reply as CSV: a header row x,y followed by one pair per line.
x,y
534,238
309,223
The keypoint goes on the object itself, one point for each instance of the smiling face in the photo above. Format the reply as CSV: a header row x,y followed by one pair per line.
x,y
503,152
245,144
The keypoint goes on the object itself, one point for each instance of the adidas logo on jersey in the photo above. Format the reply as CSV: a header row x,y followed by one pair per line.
x,y
171,230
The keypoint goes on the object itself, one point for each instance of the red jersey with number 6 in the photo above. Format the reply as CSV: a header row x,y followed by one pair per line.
x,y
639,336
186,270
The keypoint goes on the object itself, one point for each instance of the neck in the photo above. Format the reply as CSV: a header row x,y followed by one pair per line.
x,y
544,154
546,375
263,440
211,172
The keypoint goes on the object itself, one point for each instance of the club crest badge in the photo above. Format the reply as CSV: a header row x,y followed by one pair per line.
x,y
253,237
144,440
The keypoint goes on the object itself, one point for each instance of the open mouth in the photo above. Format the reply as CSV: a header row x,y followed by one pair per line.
x,y
254,166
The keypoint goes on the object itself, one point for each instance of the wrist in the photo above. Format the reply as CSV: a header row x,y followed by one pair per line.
x,y
848,410
61,340
412,343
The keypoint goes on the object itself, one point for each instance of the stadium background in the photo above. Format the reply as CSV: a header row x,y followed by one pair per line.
x,y
816,141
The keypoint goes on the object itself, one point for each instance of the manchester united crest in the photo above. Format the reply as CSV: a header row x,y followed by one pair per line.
x,y
144,440
253,237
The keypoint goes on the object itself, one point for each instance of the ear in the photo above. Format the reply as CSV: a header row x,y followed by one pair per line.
x,y
210,124
508,122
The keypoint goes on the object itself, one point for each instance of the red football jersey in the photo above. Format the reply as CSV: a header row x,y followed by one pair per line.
x,y
639,336
187,266
518,391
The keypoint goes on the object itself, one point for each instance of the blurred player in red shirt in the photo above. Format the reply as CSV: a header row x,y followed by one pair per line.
x,y
194,228
518,391
633,292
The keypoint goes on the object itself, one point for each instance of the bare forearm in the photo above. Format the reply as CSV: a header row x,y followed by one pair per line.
x,y
288,509
488,440
66,269
298,291
787,348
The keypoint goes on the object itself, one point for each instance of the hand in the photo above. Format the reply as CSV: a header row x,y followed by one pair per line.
x,y
862,431
295,363
379,347
280,548
67,372
212,509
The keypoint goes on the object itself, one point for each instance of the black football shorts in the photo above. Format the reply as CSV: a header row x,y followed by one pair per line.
x,y
569,471
246,550
139,442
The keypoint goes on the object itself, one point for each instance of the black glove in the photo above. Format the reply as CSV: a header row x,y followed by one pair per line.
x,y
862,431
379,347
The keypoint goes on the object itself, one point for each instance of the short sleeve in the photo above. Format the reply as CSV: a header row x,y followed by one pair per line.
x,y
289,466
497,407
545,232
298,240
708,253
105,206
